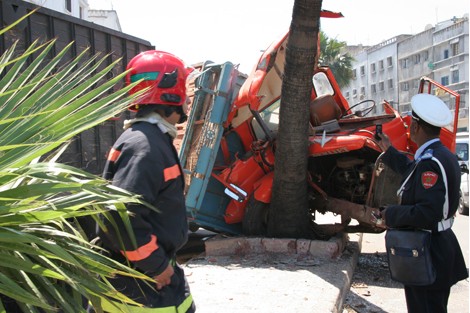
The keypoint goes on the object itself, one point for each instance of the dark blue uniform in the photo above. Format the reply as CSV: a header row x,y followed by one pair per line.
x,y
144,161
421,206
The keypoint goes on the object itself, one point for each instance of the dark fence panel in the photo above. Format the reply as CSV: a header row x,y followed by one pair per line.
x,y
88,150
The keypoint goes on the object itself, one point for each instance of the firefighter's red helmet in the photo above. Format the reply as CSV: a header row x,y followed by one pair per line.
x,y
163,72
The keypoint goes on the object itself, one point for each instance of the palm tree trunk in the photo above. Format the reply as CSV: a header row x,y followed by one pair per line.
x,y
289,213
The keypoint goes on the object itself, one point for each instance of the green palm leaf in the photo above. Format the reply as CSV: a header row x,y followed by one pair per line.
x,y
46,260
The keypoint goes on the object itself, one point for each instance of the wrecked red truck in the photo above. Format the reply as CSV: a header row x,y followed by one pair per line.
x,y
229,148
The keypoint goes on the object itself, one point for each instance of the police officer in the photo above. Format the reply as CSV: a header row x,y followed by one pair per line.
x,y
423,196
143,160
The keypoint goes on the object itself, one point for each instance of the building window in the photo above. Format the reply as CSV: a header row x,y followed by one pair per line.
x,y
426,55
455,48
445,80
381,86
417,58
354,75
68,5
446,54
405,86
363,90
455,76
381,65
373,88
80,12
372,68
347,94
389,62
404,63
390,84
354,93
363,71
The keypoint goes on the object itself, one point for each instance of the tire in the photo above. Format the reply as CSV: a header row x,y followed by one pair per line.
x,y
255,219
463,209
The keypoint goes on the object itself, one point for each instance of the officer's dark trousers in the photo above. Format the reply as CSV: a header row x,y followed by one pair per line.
x,y
423,300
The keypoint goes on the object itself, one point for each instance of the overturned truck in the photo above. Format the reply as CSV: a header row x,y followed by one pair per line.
x,y
229,148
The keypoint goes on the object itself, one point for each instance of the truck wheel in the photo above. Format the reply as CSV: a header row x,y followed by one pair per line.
x,y
255,220
193,227
463,210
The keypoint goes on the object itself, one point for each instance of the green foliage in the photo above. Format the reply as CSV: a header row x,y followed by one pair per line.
x,y
332,54
46,261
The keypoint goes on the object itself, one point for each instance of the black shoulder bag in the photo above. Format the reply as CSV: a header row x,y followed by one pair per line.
x,y
409,256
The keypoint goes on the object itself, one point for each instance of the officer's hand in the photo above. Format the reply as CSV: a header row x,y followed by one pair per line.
x,y
164,278
378,218
384,143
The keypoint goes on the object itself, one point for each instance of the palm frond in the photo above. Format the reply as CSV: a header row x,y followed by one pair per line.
x,y
46,260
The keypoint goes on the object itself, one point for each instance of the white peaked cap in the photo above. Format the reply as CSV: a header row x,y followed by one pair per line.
x,y
431,109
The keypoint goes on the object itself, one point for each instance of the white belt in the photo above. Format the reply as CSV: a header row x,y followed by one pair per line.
x,y
445,224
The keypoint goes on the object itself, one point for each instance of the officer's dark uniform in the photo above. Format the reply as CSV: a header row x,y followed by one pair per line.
x,y
143,160
422,207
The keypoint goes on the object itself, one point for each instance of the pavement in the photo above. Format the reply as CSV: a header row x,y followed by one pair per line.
x,y
373,291
249,274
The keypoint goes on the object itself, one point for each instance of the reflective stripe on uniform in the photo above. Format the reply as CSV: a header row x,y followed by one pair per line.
x,y
113,155
171,172
143,251
112,306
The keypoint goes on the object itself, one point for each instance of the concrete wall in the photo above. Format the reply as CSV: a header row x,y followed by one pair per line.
x,y
107,18
415,59
383,73
451,63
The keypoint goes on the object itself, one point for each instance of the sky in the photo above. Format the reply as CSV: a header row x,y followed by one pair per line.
x,y
238,31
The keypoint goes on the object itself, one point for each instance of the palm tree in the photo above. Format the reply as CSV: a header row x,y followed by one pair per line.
x,y
46,260
333,55
289,214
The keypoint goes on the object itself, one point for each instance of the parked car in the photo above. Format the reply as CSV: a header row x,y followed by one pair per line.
x,y
461,150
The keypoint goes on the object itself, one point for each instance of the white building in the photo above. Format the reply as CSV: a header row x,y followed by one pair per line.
x,y
391,70
107,18
81,9
375,75
77,8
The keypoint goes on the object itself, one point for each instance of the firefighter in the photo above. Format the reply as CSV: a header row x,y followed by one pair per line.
x,y
143,160
423,196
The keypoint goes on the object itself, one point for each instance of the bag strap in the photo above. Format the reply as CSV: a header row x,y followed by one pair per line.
x,y
445,223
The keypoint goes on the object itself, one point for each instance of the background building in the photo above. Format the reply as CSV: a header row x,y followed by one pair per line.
x,y
76,8
81,9
88,149
388,71
391,70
